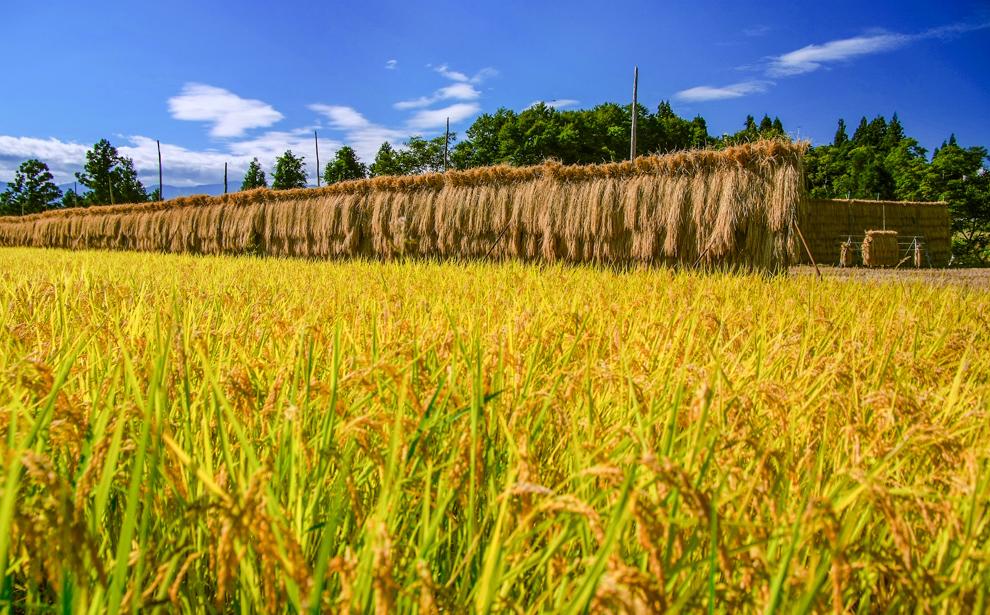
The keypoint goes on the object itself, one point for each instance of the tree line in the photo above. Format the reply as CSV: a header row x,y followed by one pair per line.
x,y
879,161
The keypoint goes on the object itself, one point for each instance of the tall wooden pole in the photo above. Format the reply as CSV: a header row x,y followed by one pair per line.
x,y
446,146
225,178
316,141
635,104
161,189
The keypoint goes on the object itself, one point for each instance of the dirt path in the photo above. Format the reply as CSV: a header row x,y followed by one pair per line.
x,y
976,278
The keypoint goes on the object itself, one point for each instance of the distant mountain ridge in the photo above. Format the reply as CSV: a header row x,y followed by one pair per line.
x,y
171,192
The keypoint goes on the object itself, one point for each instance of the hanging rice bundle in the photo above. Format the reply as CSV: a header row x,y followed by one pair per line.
x,y
734,208
847,254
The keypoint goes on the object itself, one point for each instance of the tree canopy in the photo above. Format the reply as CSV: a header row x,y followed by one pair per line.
x,y
387,162
345,166
289,172
33,190
255,177
110,177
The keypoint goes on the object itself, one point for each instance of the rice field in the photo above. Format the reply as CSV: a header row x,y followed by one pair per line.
x,y
239,434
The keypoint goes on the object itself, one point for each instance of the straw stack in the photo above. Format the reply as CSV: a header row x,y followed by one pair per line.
x,y
880,249
730,208
826,224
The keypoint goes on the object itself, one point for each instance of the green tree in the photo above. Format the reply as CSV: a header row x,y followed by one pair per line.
x,y
893,134
750,132
72,199
387,162
345,166
32,190
959,176
673,132
841,136
778,127
424,155
534,137
289,172
110,177
907,164
483,143
255,177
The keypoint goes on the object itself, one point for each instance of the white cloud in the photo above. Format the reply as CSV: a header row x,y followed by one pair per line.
x,y
706,93
455,91
182,166
362,135
810,58
435,118
557,103
453,75
366,136
230,115
813,57
483,74
341,117
61,157
270,145
391,64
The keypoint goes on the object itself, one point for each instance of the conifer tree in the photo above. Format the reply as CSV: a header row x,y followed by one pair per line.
x,y
110,177
345,166
255,177
289,172
32,190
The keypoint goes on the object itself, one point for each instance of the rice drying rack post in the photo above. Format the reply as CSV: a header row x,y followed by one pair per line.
x,y
633,114
807,249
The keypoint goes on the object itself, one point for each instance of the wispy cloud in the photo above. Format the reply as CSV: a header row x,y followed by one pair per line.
x,y
557,103
813,57
229,114
341,117
358,132
455,91
435,118
480,76
705,93
391,64
810,58
756,31
366,136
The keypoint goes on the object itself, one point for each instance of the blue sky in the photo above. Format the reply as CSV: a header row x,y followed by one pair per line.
x,y
226,82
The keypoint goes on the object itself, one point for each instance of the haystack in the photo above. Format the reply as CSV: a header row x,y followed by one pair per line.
x,y
735,207
880,249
